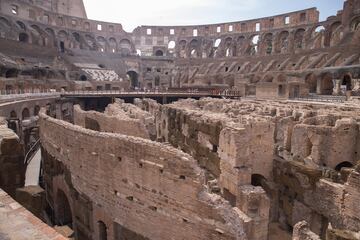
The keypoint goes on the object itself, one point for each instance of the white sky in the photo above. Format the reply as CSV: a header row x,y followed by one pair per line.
x,y
133,13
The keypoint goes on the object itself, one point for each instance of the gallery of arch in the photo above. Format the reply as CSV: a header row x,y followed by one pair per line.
x,y
245,130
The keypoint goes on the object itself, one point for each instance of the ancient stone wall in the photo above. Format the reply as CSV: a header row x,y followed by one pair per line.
x,y
12,171
140,185
288,150
105,122
284,56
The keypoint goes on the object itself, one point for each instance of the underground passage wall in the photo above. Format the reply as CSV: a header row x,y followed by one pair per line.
x,y
134,186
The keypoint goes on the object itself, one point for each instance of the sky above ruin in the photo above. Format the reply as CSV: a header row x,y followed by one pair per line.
x,y
133,13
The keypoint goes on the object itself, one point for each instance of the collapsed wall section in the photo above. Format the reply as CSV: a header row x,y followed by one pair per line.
x,y
114,123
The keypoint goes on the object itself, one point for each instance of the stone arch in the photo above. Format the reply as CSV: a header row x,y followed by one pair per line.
x,y
343,165
63,40
159,53
334,34
347,82
229,50
182,48
355,24
4,21
102,43
268,43
311,82
217,45
268,78
11,73
299,38
76,36
327,84
102,230
134,79
24,37
171,47
113,45
51,34
157,81
25,114
240,42
283,42
83,78
194,48
258,180
125,46
21,25
318,34
90,41
13,115
38,35
254,44
63,210
36,110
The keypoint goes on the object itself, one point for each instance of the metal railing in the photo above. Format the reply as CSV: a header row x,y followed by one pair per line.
x,y
155,92
32,151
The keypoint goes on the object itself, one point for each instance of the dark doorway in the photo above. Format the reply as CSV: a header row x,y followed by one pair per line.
x,y
23,37
102,231
92,124
159,53
343,165
134,79
25,114
347,82
64,215
62,47
11,73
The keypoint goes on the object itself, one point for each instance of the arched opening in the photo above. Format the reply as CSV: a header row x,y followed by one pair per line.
x,y
343,165
64,216
62,47
102,231
283,42
182,48
23,37
21,25
346,82
311,83
254,47
159,53
134,79
76,37
355,24
36,110
193,53
268,41
327,85
11,73
92,124
13,115
83,78
217,42
258,180
102,43
299,38
157,81
319,29
125,47
171,45
25,114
